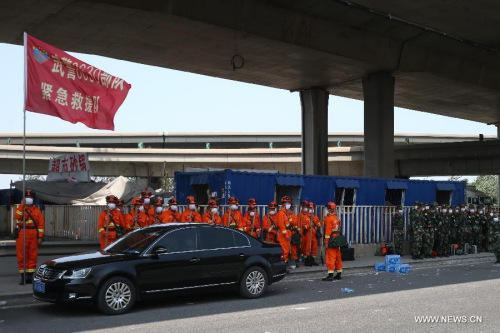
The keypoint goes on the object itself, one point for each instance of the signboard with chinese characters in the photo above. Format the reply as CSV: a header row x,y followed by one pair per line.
x,y
71,168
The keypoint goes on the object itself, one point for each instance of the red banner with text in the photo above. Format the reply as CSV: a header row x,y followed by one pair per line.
x,y
60,85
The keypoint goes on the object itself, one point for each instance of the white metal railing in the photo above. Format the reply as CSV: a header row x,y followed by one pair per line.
x,y
360,224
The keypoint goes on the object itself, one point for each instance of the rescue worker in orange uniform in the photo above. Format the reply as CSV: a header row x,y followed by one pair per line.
x,y
149,209
333,255
270,223
303,226
251,219
232,217
285,218
108,220
212,214
120,212
310,248
191,214
30,234
160,215
296,239
136,218
172,213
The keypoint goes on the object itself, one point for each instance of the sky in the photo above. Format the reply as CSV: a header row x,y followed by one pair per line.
x,y
165,100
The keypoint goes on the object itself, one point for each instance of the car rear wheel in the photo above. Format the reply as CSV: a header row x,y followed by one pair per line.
x,y
116,296
253,283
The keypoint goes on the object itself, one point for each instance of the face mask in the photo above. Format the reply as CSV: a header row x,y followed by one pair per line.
x,y
272,212
252,214
234,207
141,208
426,207
311,210
450,211
472,210
287,206
174,208
481,212
491,214
400,211
111,206
305,210
214,210
495,219
462,209
29,201
159,210
146,201
192,206
416,207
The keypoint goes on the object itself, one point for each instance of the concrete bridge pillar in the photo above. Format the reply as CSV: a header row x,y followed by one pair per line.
x,y
378,92
314,104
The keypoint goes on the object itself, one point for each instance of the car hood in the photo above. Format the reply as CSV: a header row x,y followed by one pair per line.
x,y
88,259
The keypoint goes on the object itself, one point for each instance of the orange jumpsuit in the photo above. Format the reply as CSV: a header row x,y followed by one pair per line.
x,y
159,218
248,221
269,225
110,222
333,256
190,216
316,222
134,221
297,227
35,228
235,220
306,231
149,210
173,216
284,218
208,217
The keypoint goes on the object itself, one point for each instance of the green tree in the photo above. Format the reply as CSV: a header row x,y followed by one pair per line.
x,y
459,179
488,185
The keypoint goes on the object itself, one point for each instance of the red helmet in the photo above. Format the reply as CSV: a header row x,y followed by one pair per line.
x,y
190,200
157,201
311,204
212,203
272,204
304,203
120,202
111,198
285,199
137,201
145,194
331,205
173,201
252,202
232,200
29,194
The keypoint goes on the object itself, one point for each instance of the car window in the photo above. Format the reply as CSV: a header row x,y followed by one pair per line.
x,y
135,242
240,240
215,238
182,240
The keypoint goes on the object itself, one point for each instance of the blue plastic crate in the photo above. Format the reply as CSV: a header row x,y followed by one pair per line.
x,y
392,268
380,266
392,259
404,268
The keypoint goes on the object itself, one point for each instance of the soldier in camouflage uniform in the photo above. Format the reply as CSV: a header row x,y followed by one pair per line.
x,y
454,225
398,230
477,229
443,232
463,228
429,218
416,229
494,236
472,221
485,223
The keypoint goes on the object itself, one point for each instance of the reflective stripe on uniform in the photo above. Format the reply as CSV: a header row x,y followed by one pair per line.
x,y
102,229
327,236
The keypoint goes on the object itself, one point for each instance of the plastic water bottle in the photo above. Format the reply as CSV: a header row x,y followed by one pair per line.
x,y
347,290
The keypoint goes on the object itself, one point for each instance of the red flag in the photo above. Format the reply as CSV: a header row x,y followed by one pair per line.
x,y
60,85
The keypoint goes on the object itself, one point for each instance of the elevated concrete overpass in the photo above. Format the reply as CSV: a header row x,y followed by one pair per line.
x,y
433,56
216,140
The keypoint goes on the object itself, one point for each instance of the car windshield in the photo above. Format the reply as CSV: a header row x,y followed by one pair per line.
x,y
135,242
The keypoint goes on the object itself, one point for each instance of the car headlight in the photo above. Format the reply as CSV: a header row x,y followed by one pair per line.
x,y
77,274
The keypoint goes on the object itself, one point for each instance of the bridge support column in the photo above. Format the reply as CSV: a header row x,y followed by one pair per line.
x,y
314,104
378,92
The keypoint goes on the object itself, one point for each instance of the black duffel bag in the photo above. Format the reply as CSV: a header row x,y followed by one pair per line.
x,y
337,240
295,239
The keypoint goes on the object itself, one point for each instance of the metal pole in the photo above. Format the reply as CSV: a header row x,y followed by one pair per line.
x,y
24,156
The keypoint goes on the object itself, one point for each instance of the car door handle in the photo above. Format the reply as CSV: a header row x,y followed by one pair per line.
x,y
194,260
242,256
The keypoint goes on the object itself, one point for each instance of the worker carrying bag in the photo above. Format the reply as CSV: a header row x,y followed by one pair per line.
x,y
337,240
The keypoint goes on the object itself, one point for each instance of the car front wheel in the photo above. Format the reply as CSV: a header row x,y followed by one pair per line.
x,y
253,283
116,296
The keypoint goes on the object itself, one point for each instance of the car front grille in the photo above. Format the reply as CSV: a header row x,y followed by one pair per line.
x,y
49,274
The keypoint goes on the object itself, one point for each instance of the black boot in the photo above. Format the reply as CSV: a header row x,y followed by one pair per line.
x,y
313,262
329,277
338,277
29,278
22,283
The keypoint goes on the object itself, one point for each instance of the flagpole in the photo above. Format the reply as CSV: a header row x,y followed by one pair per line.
x,y
24,154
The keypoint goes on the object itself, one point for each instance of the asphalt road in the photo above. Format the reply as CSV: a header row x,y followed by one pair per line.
x,y
381,302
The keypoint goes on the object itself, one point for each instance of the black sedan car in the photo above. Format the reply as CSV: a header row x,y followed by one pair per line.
x,y
159,259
